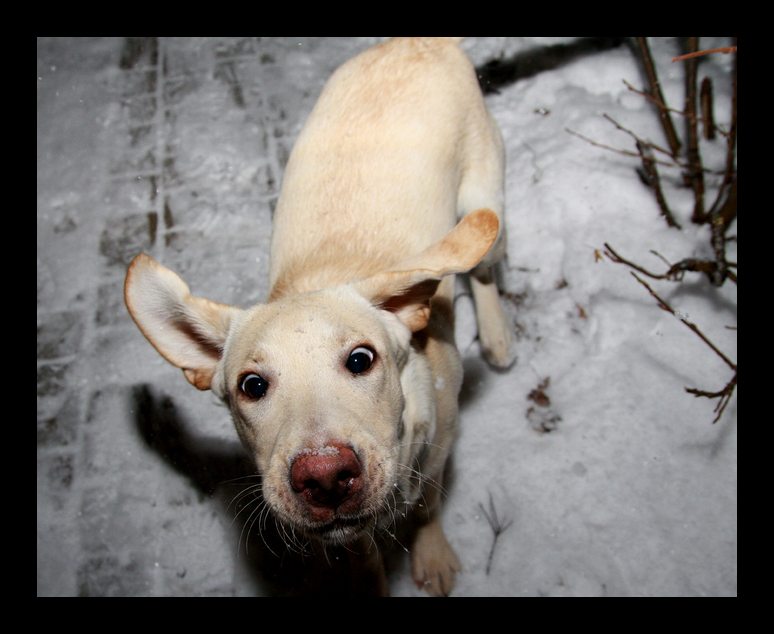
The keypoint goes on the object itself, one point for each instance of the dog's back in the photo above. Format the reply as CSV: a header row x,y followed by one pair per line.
x,y
375,175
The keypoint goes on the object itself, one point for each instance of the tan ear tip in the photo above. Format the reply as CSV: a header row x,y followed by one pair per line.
x,y
485,219
483,223
141,259
139,264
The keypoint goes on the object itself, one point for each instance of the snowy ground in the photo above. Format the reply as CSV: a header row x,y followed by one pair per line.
x,y
179,153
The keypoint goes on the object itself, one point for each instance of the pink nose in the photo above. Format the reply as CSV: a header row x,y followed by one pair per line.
x,y
326,477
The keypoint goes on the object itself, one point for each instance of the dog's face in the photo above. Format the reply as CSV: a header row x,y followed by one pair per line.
x,y
314,385
326,391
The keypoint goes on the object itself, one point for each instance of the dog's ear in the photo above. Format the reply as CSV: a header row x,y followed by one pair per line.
x,y
407,288
189,332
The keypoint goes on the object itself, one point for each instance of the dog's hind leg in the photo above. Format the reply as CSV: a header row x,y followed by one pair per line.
x,y
483,186
495,332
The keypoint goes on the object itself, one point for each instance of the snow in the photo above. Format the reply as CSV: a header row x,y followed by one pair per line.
x,y
613,478
323,451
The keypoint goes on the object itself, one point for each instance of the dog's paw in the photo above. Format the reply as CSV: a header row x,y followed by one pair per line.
x,y
433,562
498,343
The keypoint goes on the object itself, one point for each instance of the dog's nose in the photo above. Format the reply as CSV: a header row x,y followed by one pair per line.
x,y
326,477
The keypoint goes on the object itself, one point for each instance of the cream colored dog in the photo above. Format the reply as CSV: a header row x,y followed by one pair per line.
x,y
343,386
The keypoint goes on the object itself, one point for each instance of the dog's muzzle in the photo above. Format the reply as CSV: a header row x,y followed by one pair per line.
x,y
329,487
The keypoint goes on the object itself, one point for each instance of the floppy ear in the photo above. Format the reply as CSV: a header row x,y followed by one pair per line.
x,y
189,332
407,288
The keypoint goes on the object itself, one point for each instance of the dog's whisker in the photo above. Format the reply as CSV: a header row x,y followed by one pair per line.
x,y
246,525
253,490
244,477
424,480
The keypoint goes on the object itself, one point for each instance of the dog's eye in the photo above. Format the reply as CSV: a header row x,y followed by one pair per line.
x,y
254,386
360,359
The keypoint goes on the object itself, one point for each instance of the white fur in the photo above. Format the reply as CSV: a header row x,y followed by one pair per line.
x,y
364,252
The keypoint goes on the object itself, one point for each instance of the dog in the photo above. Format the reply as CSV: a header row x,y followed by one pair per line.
x,y
344,385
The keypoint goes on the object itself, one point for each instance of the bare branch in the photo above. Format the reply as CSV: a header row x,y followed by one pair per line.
x,y
655,91
648,165
694,176
721,219
725,49
707,109
673,162
724,394
639,140
619,260
616,150
644,94
730,172
722,212
664,306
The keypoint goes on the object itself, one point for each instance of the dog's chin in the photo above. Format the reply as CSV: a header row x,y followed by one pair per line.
x,y
341,530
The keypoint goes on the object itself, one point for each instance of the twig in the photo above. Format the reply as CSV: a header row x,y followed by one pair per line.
x,y
731,139
498,528
655,182
610,253
607,147
644,94
694,176
664,306
724,394
655,91
721,219
725,49
619,260
637,139
673,162
724,209
730,171
677,271
707,110
616,150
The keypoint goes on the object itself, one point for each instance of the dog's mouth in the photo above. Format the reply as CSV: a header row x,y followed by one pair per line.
x,y
341,529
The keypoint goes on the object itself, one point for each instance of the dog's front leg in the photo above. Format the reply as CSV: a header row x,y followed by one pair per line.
x,y
433,561
367,569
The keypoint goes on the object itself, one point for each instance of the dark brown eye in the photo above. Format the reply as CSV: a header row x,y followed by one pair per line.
x,y
254,386
360,359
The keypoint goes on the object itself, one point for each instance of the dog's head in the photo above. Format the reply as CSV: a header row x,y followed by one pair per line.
x,y
317,383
